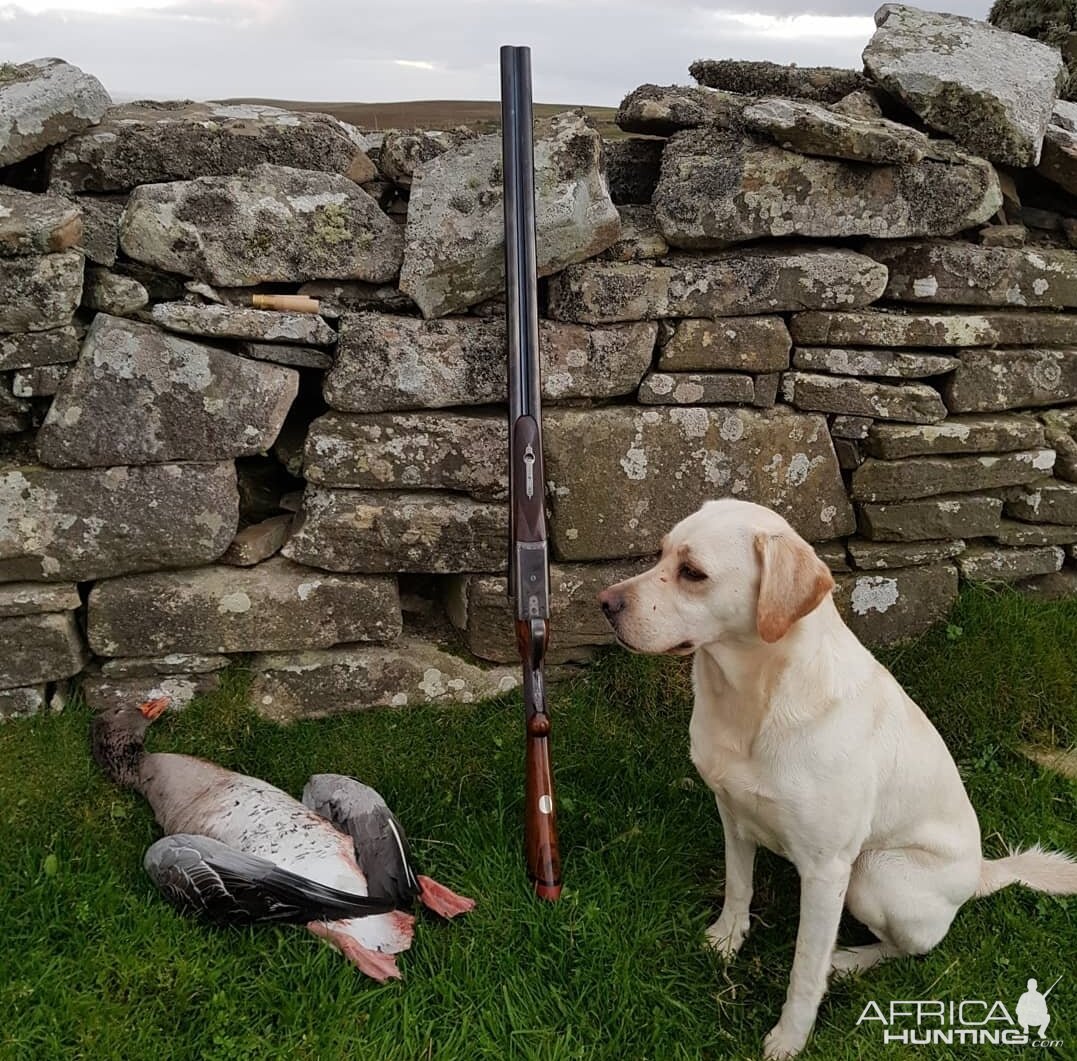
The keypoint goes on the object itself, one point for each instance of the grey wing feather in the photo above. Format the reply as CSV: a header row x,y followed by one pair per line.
x,y
381,848
203,876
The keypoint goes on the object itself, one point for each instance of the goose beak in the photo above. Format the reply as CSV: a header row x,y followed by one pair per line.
x,y
153,709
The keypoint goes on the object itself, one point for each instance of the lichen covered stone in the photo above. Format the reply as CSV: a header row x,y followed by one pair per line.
x,y
656,466
81,524
274,606
269,223
992,91
718,188
139,395
454,241
151,142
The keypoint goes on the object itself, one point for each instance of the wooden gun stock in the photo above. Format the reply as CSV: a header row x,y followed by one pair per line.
x,y
540,815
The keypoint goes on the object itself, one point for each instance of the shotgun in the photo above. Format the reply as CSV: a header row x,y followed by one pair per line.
x,y
529,567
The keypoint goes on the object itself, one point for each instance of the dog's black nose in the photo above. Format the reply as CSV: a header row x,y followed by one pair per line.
x,y
612,603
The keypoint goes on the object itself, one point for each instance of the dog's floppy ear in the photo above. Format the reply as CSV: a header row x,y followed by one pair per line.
x,y
793,581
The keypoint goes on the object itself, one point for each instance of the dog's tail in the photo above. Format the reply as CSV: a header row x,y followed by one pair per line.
x,y
1045,871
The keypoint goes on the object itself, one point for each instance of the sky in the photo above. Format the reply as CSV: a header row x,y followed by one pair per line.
x,y
583,51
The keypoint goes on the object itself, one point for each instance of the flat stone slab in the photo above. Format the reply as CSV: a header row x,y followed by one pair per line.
x,y
411,672
276,606
101,227
42,103
30,349
111,292
80,524
655,466
180,400
898,606
403,151
288,354
22,703
1013,532
823,84
390,531
39,648
983,564
972,275
102,692
478,605
242,322
36,224
640,239
877,556
151,142
877,480
993,380
718,188
855,428
833,555
405,451
954,517
732,344
1050,501
176,663
992,91
913,402
40,382
1058,161
661,110
1060,427
695,388
730,284
454,239
891,364
41,292
258,542
36,598
813,129
957,434
889,328
386,363
269,223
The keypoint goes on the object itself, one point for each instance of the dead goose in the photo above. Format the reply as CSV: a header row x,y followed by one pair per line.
x,y
239,850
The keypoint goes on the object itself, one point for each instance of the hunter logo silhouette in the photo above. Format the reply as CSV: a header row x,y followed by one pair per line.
x,y
1032,1008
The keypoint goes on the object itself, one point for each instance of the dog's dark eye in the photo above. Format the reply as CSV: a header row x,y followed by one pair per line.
x,y
691,574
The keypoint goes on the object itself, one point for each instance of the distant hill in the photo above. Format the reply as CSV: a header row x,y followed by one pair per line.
x,y
432,113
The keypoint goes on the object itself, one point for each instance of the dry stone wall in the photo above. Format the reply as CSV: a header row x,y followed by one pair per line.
x,y
850,296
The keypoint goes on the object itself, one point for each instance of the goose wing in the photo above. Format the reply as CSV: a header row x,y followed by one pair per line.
x,y
203,876
381,848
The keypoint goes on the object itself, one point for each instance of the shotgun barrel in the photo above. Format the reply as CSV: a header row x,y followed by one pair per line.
x,y
529,566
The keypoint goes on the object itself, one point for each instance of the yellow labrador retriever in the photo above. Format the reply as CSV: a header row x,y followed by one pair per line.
x,y
813,750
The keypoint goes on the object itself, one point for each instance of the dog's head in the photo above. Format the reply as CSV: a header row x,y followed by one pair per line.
x,y
731,571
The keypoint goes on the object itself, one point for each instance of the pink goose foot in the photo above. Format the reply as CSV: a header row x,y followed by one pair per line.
x,y
443,900
375,964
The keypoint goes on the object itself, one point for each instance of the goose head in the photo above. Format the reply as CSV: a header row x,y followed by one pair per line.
x,y
118,735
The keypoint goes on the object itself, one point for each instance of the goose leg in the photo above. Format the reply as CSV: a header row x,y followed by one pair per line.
x,y
375,964
442,900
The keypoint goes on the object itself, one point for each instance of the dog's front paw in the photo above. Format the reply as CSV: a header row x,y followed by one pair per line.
x,y
781,1042
727,934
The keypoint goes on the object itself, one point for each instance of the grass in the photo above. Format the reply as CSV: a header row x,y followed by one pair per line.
x,y
98,967
482,115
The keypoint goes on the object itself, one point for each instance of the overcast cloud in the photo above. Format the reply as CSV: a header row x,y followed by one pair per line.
x,y
589,51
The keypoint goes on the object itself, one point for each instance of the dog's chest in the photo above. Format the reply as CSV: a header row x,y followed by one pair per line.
x,y
757,805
